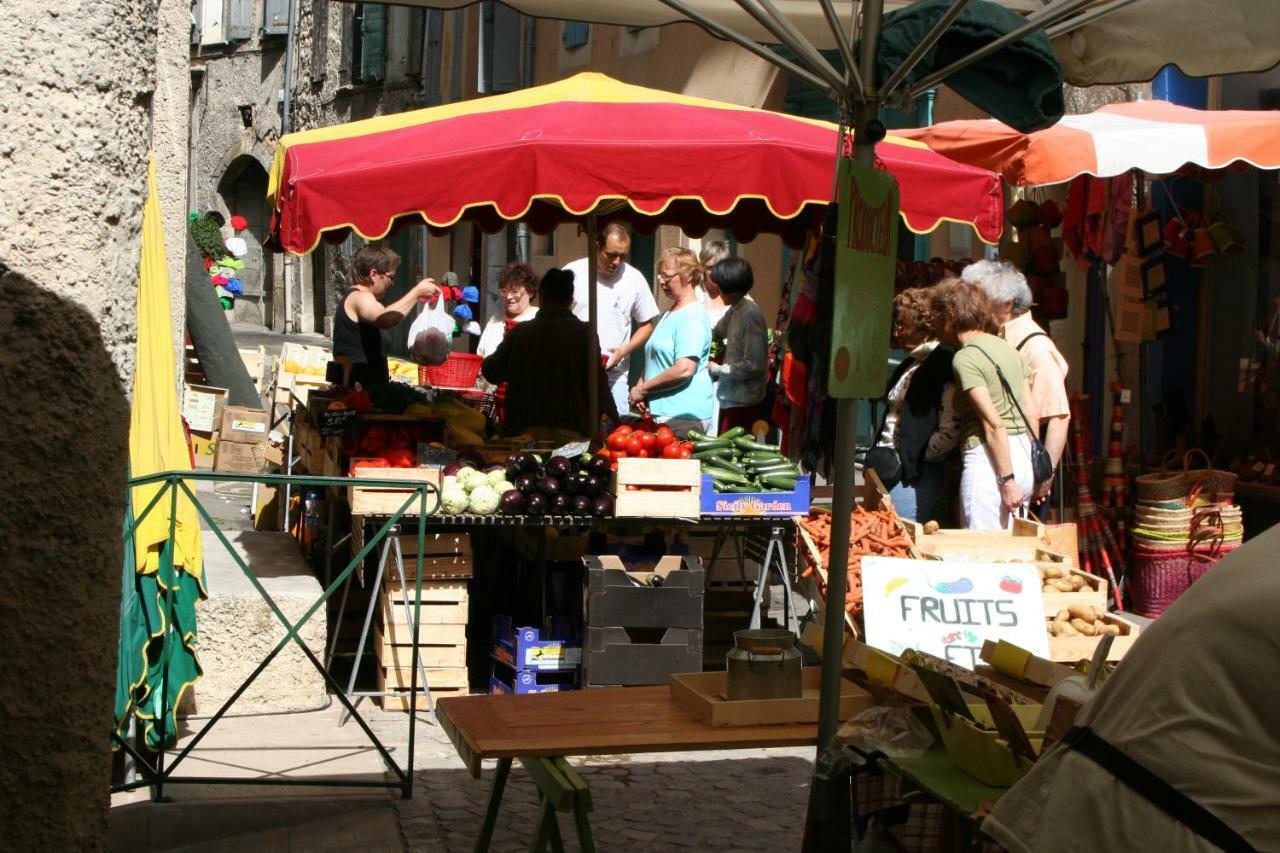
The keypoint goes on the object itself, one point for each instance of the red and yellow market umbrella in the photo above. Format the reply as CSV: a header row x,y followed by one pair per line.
x,y
590,144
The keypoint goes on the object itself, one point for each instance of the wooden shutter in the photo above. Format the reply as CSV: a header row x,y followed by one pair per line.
x,y
319,39
239,20
433,58
212,22
576,34
275,17
504,67
373,42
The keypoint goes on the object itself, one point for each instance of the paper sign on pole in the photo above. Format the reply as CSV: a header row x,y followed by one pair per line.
x,y
949,609
866,258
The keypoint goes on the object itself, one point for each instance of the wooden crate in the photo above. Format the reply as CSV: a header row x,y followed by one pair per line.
x,y
439,655
1025,543
372,500
1094,592
1072,649
442,603
398,677
658,488
400,702
704,694
445,556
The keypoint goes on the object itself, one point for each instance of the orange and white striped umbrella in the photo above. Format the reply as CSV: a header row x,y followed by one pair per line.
x,y
1154,136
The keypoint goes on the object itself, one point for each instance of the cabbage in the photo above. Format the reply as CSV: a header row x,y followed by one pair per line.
x,y
496,477
449,482
465,475
453,501
484,500
502,487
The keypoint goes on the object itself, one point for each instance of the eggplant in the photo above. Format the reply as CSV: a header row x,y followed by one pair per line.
x,y
561,504
603,506
525,482
512,502
535,504
526,462
559,467
601,466
549,486
595,486
512,472
451,469
582,505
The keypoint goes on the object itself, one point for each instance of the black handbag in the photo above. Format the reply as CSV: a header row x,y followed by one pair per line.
x,y
1041,464
887,464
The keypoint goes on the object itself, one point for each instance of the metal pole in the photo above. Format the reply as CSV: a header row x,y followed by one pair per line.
x,y
593,340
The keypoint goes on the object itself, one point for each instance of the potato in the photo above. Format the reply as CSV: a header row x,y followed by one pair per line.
x,y
1064,629
1063,616
1077,583
1086,612
1084,627
1107,628
931,527
1062,585
1048,588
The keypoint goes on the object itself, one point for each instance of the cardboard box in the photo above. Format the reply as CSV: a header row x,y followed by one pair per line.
x,y
203,407
240,458
245,426
758,504
204,447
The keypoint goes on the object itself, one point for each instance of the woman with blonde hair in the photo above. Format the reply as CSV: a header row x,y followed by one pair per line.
x,y
920,426
676,389
713,252
995,437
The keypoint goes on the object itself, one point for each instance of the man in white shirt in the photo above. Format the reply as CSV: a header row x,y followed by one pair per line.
x,y
623,298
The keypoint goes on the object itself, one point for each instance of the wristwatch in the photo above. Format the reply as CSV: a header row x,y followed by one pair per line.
x,y
1000,481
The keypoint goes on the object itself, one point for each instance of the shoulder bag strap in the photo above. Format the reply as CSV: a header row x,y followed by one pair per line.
x,y
1023,342
1013,398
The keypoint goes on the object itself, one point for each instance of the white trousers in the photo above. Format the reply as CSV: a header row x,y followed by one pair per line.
x,y
980,505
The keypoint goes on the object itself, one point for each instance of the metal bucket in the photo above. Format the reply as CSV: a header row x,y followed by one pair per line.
x,y
764,663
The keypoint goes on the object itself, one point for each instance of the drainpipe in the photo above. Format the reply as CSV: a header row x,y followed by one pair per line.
x,y
524,238
290,264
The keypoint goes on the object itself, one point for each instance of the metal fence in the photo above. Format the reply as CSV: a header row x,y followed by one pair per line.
x,y
154,770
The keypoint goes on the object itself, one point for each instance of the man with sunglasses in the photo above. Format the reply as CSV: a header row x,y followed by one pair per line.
x,y
624,300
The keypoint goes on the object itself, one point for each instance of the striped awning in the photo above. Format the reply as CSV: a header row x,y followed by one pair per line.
x,y
1154,136
555,153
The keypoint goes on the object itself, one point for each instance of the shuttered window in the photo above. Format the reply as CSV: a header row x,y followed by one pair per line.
x,y
319,39
275,17
575,34
372,41
239,20
504,49
433,58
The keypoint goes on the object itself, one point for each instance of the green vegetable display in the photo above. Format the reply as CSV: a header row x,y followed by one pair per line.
x,y
739,463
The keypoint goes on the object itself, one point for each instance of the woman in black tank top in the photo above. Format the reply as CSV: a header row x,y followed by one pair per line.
x,y
362,323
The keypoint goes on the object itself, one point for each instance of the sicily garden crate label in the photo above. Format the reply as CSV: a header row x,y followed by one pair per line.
x,y
949,609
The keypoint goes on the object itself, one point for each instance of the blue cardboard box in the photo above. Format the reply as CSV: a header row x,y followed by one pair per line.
x,y
526,648
758,504
504,679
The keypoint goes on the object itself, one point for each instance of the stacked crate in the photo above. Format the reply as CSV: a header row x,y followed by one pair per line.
x,y
533,660
441,634
637,632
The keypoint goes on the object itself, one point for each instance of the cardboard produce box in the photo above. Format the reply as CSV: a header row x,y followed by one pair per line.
x,y
204,447
239,457
242,425
203,407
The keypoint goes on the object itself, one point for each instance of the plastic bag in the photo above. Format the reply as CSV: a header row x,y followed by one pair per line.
x,y
894,731
430,334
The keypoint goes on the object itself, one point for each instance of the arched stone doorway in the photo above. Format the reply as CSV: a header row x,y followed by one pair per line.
x,y
243,191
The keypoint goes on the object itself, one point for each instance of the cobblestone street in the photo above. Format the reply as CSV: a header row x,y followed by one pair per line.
x,y
712,801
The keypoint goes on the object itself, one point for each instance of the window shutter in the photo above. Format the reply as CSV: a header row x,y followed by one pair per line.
x,y
212,22
349,35
373,42
433,59
239,20
504,68
576,34
319,39
275,17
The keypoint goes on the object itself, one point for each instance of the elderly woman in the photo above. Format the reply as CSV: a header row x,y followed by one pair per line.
x,y
1011,299
517,284
997,478
920,426
676,389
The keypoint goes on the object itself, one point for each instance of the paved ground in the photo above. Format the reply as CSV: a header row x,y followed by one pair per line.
x,y
711,801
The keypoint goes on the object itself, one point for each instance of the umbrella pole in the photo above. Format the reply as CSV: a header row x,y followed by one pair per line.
x,y
593,345
831,814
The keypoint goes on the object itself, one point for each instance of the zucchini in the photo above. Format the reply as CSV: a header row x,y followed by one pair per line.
x,y
714,453
747,445
694,435
712,443
723,464
773,471
778,481
728,477
731,434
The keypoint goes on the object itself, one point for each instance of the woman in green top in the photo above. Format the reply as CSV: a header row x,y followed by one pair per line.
x,y
997,476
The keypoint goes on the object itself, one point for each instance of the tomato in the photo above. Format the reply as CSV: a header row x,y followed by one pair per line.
x,y
369,463
686,452
647,439
642,453
634,445
401,458
618,454
671,451
604,451
622,430
617,441
665,436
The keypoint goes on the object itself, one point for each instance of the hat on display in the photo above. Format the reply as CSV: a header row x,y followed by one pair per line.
x,y
471,293
239,223
237,246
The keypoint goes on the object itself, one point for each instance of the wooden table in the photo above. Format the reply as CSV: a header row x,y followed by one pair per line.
x,y
542,729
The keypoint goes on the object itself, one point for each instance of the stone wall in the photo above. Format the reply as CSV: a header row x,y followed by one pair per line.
x,y
76,86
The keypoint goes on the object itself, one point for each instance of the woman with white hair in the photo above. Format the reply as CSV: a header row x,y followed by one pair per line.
x,y
1011,302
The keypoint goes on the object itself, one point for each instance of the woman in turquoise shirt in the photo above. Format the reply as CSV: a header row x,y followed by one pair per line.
x,y
677,389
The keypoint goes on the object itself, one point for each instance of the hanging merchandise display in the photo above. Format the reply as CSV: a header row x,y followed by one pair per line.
x,y
1099,548
1038,253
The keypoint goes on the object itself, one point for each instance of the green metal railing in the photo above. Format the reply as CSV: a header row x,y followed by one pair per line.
x,y
157,773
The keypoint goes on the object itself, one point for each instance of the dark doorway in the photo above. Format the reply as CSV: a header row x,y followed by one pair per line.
x,y
243,190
